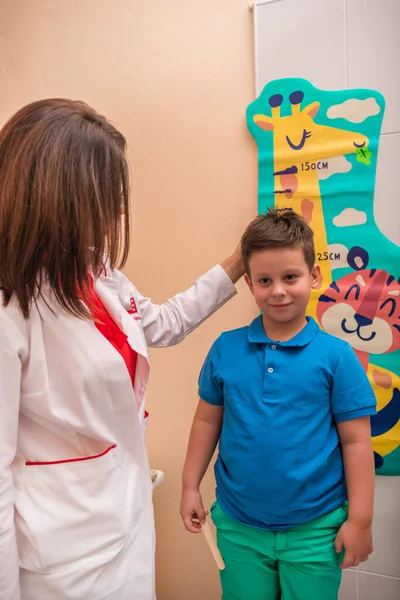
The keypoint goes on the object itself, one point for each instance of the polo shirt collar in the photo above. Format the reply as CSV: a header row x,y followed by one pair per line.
x,y
256,334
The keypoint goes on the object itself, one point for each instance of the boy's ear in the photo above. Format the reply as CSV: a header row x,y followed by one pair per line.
x,y
247,279
316,277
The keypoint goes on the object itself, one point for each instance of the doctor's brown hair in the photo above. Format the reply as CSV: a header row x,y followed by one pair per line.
x,y
278,228
64,183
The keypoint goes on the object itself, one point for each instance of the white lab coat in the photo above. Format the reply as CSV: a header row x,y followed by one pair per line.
x,y
83,530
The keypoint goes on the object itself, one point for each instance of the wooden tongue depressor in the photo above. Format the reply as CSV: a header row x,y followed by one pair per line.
x,y
208,534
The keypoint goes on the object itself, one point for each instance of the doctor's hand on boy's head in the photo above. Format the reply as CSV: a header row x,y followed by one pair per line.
x,y
356,540
234,265
192,511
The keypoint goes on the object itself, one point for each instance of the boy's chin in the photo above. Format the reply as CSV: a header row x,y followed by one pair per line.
x,y
284,316
280,318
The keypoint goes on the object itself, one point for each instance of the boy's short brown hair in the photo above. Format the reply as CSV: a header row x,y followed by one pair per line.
x,y
278,228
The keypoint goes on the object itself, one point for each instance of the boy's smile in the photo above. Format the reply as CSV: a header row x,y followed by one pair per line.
x,y
281,283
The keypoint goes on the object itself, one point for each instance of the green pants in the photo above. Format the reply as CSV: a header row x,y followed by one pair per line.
x,y
297,564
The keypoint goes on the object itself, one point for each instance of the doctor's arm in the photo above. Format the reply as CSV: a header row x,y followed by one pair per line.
x,y
169,323
10,378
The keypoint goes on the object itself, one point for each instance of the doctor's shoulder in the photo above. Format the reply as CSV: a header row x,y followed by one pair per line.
x,y
128,295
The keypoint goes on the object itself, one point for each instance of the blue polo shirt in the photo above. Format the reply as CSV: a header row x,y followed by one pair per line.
x,y
280,462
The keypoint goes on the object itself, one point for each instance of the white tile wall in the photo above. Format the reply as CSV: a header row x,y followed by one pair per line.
x,y
386,557
338,44
349,587
373,47
377,587
387,185
285,40
379,577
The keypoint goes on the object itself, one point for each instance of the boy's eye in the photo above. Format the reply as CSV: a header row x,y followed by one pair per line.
x,y
290,277
263,280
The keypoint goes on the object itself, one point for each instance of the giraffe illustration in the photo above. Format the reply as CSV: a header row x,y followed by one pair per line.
x,y
299,146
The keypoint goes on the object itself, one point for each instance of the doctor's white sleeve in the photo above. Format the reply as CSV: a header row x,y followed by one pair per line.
x,y
11,349
169,323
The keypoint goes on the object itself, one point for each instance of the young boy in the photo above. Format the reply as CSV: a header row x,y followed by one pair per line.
x,y
290,406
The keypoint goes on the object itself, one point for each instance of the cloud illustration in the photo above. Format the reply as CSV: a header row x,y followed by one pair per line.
x,y
338,256
349,217
338,164
354,110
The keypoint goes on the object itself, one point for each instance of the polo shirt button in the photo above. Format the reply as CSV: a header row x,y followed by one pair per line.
x,y
273,347
270,370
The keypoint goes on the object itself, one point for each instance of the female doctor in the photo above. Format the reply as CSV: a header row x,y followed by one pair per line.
x,y
76,514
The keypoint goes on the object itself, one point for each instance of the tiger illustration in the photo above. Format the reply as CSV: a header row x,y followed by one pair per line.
x,y
363,308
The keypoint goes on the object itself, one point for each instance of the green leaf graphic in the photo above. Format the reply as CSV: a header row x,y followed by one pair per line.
x,y
363,155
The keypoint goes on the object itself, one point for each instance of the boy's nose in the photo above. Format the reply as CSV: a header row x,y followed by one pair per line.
x,y
279,290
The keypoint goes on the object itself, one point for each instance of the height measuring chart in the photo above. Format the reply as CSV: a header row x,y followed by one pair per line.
x,y
317,154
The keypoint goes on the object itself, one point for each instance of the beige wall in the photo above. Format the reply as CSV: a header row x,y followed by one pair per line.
x,y
175,76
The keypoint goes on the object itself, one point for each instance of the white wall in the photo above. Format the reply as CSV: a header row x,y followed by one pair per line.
x,y
339,44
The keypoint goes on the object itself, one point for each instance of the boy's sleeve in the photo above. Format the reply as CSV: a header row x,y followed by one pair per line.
x,y
210,385
352,395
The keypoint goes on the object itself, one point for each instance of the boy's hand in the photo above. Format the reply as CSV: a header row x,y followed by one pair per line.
x,y
357,541
192,510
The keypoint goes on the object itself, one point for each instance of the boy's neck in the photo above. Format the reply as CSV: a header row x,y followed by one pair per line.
x,y
283,332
